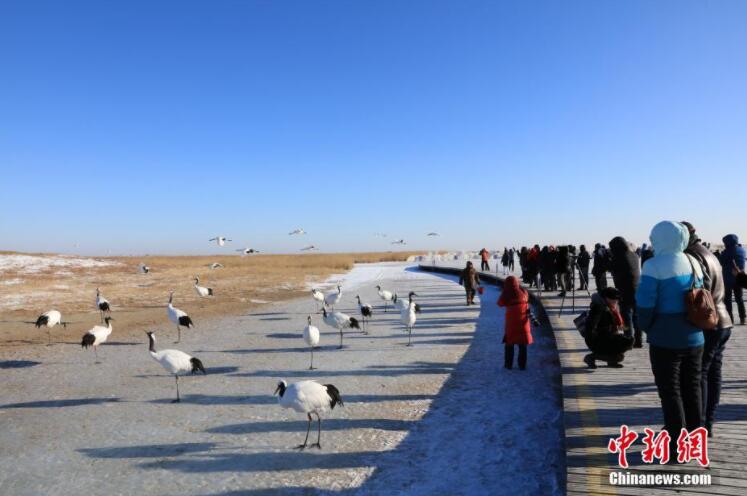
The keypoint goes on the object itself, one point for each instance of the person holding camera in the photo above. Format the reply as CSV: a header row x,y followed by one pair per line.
x,y
603,330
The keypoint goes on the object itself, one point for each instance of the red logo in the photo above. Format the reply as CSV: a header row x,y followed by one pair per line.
x,y
621,444
690,446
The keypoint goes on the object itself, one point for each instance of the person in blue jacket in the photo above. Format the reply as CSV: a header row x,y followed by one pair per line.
x,y
675,345
733,254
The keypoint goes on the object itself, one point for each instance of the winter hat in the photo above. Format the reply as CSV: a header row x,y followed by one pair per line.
x,y
610,293
690,227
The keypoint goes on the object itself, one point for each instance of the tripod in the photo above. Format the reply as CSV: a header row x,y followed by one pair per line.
x,y
574,266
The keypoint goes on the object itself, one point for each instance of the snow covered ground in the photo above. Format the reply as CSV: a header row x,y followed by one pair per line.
x,y
441,417
33,264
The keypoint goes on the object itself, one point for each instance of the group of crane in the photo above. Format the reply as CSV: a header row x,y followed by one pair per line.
x,y
341,321
308,396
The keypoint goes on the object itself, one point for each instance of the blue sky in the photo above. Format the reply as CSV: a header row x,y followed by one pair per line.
x,y
149,127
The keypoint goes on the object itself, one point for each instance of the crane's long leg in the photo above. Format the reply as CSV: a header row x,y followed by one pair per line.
x,y
178,333
409,336
49,336
311,366
96,353
318,432
340,339
178,399
308,429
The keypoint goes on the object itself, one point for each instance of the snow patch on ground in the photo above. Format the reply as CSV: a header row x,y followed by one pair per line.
x,y
368,275
33,264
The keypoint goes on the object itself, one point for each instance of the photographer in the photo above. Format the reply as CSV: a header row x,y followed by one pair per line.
x,y
603,333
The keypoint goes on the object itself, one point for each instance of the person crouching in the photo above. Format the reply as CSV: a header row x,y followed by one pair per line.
x,y
517,328
604,326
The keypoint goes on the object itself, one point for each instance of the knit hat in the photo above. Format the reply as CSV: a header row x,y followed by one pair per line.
x,y
610,293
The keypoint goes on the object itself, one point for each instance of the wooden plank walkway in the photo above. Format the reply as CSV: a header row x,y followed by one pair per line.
x,y
596,402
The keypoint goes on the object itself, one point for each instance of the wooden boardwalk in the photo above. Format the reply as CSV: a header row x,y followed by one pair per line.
x,y
596,402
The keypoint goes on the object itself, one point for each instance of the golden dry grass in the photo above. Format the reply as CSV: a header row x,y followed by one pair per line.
x,y
138,300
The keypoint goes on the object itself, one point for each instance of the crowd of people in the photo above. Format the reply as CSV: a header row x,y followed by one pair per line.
x,y
647,296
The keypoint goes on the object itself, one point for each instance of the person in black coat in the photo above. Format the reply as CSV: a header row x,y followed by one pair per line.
x,y
602,331
601,265
547,264
626,273
562,268
583,260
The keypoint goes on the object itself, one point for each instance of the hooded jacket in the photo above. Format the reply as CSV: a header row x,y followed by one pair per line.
x,y
516,300
625,268
661,295
733,252
714,279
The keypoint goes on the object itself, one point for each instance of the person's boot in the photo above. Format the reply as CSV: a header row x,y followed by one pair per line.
x,y
589,361
709,428
614,361
638,343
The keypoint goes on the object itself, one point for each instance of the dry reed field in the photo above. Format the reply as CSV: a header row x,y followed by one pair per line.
x,y
32,284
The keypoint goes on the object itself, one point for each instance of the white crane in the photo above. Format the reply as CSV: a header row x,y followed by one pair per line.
x,y
220,240
366,312
318,298
339,321
433,234
385,295
401,304
331,299
96,336
102,304
202,291
174,362
297,232
49,320
309,248
311,337
178,317
399,242
143,269
247,251
408,319
309,397
216,265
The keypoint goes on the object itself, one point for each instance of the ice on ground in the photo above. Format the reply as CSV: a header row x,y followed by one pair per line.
x,y
368,275
33,264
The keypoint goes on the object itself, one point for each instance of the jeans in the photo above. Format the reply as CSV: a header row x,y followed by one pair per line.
x,y
677,374
713,354
509,356
739,296
484,265
630,319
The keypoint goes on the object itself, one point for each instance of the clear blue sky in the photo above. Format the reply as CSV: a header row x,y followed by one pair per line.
x,y
149,127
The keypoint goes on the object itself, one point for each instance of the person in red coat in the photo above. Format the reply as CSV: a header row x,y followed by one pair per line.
x,y
518,330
